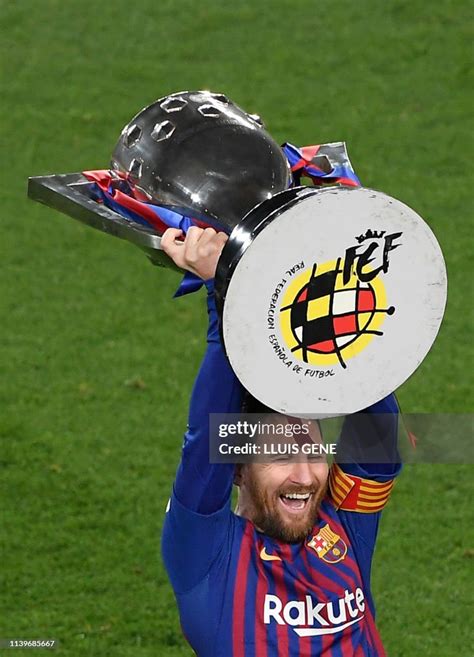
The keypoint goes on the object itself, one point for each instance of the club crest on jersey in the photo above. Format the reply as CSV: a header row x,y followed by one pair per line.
x,y
328,545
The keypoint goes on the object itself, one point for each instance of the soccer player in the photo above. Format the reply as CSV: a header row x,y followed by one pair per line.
x,y
288,573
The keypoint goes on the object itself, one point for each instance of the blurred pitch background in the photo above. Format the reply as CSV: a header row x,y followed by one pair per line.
x,y
98,360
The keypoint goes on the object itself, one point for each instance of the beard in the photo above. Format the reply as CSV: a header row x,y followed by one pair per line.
x,y
269,515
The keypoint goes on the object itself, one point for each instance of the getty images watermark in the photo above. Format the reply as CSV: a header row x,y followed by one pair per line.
x,y
272,439
358,438
249,437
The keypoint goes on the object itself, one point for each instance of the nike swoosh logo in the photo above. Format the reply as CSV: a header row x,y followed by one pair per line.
x,y
268,557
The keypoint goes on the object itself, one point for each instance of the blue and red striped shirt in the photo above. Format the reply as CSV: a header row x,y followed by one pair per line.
x,y
243,594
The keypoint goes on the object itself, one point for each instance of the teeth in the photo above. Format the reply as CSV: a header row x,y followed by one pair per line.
x,y
297,496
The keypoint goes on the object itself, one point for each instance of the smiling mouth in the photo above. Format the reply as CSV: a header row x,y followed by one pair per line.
x,y
295,502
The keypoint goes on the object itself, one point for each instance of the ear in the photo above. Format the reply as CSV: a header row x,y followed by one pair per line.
x,y
238,475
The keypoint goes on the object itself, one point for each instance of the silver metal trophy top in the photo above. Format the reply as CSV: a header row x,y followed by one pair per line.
x,y
329,298
198,151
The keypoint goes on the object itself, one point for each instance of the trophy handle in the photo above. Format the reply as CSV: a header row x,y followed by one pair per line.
x,y
70,193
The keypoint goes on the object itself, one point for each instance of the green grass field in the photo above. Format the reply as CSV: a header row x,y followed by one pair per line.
x,y
98,361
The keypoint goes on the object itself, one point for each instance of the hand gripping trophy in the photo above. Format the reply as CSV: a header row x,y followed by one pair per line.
x,y
330,294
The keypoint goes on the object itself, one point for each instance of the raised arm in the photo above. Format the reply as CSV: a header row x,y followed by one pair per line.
x,y
199,514
368,445
201,486
362,479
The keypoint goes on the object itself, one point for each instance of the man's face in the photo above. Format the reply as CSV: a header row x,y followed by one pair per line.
x,y
282,497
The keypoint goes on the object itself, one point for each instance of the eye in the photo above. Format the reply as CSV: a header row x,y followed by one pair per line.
x,y
317,458
280,459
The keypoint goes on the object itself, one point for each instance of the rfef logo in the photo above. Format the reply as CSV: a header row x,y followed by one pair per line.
x,y
331,311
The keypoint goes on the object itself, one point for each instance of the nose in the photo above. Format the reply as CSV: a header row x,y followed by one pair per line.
x,y
302,474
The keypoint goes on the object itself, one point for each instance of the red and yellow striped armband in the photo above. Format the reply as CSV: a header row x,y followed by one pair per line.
x,y
351,493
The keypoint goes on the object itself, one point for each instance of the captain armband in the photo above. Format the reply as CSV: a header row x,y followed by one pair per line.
x,y
351,493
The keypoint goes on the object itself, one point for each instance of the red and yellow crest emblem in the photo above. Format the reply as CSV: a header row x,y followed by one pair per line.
x,y
328,545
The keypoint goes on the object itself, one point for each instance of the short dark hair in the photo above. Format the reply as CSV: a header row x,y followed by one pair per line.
x,y
252,405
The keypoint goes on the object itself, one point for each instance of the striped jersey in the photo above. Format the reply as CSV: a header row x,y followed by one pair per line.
x,y
241,593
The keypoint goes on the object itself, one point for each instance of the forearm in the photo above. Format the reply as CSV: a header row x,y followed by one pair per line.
x,y
199,485
368,445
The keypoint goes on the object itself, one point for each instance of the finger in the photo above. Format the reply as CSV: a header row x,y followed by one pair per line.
x,y
211,250
193,235
219,242
191,242
168,241
207,236
210,241
222,238
170,235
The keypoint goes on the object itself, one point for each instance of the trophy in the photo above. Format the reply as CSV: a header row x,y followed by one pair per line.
x,y
330,295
